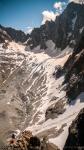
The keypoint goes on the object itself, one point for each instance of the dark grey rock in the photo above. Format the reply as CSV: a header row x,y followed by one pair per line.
x,y
76,133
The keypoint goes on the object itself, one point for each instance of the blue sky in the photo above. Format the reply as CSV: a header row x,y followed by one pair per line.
x,y
21,14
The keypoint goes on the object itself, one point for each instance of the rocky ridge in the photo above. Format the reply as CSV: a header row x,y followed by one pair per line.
x,y
15,35
72,25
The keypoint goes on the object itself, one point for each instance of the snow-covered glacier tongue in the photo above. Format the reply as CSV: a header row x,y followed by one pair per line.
x,y
27,88
31,97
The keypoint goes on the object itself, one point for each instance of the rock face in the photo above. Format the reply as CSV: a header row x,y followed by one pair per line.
x,y
55,110
16,35
58,72
72,24
76,133
74,69
4,36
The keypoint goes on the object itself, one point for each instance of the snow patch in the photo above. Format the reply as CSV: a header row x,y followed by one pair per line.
x,y
81,30
74,21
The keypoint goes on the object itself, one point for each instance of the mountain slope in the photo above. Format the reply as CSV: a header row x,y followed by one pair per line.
x,y
29,89
4,36
26,82
32,96
72,25
16,35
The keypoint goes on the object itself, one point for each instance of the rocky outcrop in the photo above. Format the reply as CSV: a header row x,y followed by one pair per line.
x,y
39,36
26,141
72,24
4,36
75,138
21,143
74,69
55,110
58,72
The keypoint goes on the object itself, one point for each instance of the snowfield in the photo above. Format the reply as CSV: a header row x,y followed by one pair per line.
x,y
31,88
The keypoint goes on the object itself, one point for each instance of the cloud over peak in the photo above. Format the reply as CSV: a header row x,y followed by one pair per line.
x,y
49,15
59,6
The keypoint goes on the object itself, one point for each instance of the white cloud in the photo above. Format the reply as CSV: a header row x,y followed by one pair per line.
x,y
49,15
59,5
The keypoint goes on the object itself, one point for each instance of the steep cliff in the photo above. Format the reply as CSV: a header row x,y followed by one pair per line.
x,y
75,138
74,71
